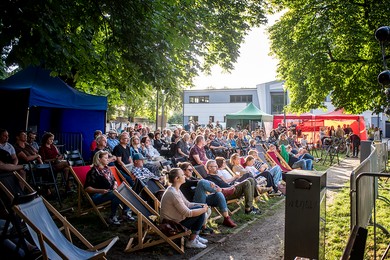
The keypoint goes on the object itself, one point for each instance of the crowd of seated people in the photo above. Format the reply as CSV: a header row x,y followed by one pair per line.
x,y
187,198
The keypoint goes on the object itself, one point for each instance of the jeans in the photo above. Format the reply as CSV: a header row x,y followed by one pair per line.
x,y
276,172
194,223
216,199
99,198
270,180
306,156
304,164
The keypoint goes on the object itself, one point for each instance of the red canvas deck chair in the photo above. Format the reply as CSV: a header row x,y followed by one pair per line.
x,y
80,174
279,160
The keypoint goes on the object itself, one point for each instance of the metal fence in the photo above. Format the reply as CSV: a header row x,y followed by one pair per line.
x,y
362,199
67,141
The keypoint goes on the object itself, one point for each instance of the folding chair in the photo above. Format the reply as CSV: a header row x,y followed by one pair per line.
x,y
279,160
145,223
80,174
74,158
49,238
44,175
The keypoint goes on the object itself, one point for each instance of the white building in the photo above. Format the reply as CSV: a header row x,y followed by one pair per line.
x,y
213,104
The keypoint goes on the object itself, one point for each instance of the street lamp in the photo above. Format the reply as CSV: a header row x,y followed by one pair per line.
x,y
382,34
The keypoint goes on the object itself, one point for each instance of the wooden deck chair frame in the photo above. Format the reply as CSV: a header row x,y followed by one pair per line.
x,y
148,191
145,225
82,193
228,202
281,162
15,196
68,231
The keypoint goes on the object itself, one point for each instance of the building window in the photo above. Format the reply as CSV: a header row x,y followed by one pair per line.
x,y
277,102
199,99
211,118
240,98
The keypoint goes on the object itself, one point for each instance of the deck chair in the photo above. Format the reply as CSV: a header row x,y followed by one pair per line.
x,y
48,236
145,223
201,173
278,159
147,192
11,193
80,174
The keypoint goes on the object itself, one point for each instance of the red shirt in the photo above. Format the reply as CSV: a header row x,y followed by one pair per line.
x,y
48,153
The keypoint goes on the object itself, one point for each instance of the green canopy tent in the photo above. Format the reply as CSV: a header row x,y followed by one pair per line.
x,y
249,115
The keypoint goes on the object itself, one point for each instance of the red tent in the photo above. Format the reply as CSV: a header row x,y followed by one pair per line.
x,y
310,123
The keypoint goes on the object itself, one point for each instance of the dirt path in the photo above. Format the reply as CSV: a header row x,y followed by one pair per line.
x,y
264,238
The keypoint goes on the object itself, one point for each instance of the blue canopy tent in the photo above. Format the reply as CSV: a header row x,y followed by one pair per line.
x,y
44,103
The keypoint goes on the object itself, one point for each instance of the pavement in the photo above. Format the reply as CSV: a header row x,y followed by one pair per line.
x,y
337,178
338,175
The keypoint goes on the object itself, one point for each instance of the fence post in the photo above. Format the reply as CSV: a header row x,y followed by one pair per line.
x,y
365,150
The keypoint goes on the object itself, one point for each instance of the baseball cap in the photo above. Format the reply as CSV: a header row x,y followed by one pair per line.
x,y
138,156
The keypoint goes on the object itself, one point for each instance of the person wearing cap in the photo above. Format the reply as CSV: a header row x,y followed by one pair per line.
x,y
112,139
142,173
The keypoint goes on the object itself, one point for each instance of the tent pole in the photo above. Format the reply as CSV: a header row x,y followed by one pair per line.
x,y
27,116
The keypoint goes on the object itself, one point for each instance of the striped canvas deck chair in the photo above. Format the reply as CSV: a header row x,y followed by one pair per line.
x,y
146,225
48,236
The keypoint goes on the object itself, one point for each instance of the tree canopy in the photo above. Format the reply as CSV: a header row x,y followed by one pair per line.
x,y
125,49
329,47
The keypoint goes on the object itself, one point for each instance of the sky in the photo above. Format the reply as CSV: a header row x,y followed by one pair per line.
x,y
254,66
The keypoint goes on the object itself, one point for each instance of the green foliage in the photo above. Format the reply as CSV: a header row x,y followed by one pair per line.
x,y
126,49
176,118
329,47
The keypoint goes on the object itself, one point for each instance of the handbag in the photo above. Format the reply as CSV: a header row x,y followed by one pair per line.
x,y
227,192
171,228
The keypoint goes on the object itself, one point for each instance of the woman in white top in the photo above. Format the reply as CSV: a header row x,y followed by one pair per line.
x,y
175,207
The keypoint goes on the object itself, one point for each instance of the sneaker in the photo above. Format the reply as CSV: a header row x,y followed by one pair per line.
x,y
128,216
195,244
229,222
253,211
202,240
114,221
